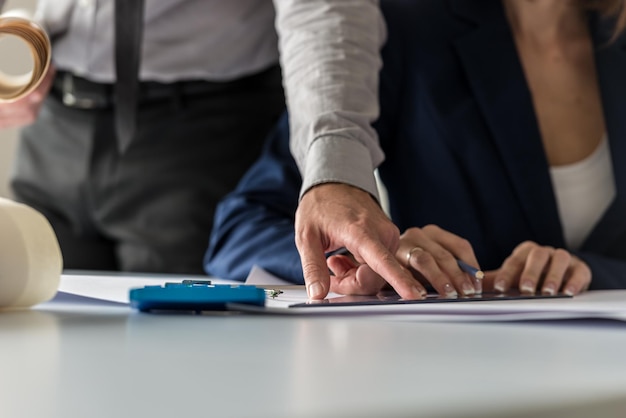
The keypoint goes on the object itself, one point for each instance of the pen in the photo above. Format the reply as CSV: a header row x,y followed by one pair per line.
x,y
473,271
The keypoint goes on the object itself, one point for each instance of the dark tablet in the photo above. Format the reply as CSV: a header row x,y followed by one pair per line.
x,y
392,298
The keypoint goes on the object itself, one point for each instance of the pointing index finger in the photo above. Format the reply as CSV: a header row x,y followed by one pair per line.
x,y
383,262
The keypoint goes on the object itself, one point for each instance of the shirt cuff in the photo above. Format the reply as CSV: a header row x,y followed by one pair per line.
x,y
333,159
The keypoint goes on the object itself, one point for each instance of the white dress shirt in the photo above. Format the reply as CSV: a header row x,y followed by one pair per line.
x,y
183,39
329,53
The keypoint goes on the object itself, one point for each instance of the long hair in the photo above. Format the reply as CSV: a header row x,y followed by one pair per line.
x,y
613,9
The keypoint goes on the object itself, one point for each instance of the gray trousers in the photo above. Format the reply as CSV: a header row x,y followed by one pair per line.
x,y
151,208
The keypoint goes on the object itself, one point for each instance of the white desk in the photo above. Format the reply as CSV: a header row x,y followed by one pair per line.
x,y
92,362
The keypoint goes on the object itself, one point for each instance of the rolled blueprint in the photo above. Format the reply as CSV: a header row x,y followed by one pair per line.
x,y
30,257
14,87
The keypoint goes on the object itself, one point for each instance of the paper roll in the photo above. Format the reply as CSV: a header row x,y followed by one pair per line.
x,y
30,257
14,87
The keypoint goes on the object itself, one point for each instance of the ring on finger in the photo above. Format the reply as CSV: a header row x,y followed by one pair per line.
x,y
410,253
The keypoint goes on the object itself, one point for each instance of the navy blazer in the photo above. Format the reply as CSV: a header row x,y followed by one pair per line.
x,y
462,144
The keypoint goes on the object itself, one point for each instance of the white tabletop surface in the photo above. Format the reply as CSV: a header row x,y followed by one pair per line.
x,y
72,361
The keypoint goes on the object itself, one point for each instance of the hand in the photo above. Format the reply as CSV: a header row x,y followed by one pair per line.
x,y
352,278
331,216
432,253
532,266
24,111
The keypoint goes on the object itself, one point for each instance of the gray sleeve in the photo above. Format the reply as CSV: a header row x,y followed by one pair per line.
x,y
330,54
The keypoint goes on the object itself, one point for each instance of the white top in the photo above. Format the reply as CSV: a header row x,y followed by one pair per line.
x,y
584,190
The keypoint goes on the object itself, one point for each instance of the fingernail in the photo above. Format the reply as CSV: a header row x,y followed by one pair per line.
x,y
315,290
468,289
527,287
569,291
549,289
500,285
419,293
450,291
478,286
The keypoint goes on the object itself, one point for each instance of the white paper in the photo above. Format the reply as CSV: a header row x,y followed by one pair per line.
x,y
115,287
261,277
73,299
608,304
104,288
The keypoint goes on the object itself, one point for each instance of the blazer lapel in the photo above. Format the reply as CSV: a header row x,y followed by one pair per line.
x,y
489,57
611,69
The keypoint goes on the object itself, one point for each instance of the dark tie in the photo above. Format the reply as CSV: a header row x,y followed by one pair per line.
x,y
128,34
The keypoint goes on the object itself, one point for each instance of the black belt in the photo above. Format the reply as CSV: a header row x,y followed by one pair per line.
x,y
80,93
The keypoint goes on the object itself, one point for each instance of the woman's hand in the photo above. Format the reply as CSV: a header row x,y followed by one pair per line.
x,y
532,267
429,253
24,111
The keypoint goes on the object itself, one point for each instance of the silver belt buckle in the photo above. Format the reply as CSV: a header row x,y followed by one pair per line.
x,y
69,98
